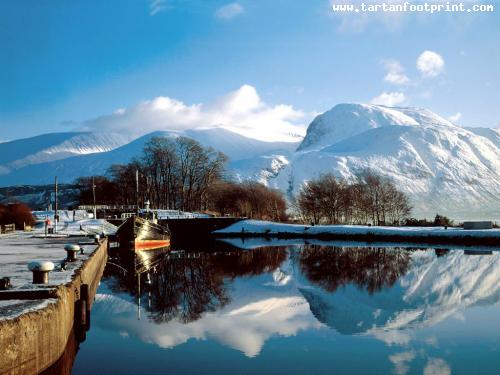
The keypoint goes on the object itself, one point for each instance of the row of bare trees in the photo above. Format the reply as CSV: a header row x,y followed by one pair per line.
x,y
171,173
249,199
370,199
183,175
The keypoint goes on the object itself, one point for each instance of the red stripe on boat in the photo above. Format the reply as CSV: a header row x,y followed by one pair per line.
x,y
151,244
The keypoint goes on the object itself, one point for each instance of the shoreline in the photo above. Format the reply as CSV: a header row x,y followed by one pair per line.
x,y
368,234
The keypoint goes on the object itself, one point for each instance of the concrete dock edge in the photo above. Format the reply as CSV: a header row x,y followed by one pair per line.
x,y
33,341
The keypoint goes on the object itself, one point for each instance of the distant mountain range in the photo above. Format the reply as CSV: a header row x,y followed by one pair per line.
x,y
443,167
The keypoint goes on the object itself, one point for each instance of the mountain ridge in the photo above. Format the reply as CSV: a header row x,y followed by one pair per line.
x,y
442,167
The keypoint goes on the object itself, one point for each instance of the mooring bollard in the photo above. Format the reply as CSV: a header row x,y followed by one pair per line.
x,y
97,238
40,271
5,283
71,251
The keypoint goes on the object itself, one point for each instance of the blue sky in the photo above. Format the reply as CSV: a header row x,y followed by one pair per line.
x,y
67,62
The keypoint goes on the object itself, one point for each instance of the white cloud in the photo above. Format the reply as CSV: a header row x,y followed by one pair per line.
x,y
395,73
389,99
241,111
229,11
456,117
401,362
157,6
430,64
436,366
255,314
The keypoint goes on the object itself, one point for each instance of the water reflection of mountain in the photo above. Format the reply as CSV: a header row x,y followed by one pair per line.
x,y
355,284
434,287
243,298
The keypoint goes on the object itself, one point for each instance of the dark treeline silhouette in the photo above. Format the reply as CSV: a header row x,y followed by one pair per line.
x,y
181,174
16,213
370,269
105,189
439,220
370,199
172,173
249,199
185,287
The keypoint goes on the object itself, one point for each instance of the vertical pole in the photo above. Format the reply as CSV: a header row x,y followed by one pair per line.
x,y
93,195
55,205
137,191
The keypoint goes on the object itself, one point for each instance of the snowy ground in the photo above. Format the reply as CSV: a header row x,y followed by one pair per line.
x,y
80,226
270,228
20,248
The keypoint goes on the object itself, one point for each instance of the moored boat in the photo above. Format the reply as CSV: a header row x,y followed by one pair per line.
x,y
142,234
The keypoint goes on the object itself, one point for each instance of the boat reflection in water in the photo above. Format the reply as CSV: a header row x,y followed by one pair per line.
x,y
185,284
314,304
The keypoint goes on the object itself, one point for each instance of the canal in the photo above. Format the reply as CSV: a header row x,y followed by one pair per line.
x,y
244,307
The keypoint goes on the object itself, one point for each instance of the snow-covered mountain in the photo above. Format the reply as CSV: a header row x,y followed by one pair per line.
x,y
41,170
45,148
442,167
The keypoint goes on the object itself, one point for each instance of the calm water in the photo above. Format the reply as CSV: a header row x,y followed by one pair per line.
x,y
298,309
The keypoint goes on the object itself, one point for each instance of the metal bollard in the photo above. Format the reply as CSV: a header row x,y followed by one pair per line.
x,y
5,283
40,271
71,251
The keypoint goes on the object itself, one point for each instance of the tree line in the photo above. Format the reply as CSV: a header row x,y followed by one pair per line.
x,y
369,199
181,174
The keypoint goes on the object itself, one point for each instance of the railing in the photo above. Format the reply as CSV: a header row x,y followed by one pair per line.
x,y
108,207
8,228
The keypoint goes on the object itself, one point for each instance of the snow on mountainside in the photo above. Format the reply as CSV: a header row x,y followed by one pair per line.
x,y
56,146
492,134
442,167
237,147
261,169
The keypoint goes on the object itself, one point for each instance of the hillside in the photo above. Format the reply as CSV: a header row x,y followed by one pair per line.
x,y
442,167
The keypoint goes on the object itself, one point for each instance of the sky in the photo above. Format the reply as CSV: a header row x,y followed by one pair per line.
x,y
69,65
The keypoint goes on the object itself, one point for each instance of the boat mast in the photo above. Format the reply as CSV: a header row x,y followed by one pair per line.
x,y
56,216
137,192
93,195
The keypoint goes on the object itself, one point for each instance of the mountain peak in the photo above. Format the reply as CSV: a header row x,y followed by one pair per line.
x,y
349,119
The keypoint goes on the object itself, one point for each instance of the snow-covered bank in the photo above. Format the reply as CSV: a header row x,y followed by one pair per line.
x,y
361,232
70,224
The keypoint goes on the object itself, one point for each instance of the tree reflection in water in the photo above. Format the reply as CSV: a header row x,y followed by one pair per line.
x,y
369,268
187,285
